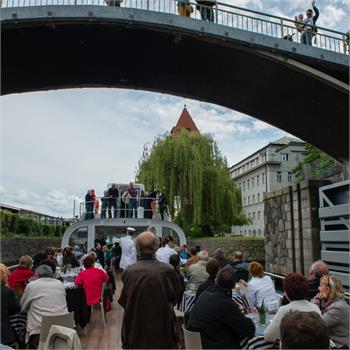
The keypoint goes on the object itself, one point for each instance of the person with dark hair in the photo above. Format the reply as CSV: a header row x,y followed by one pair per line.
x,y
309,24
19,277
147,205
116,254
163,205
150,289
91,279
217,317
164,253
303,330
113,194
69,258
205,7
219,256
212,268
295,288
89,205
239,266
184,254
174,260
193,257
37,258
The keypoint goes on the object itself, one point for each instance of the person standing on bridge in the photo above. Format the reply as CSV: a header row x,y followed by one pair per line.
x,y
309,28
205,7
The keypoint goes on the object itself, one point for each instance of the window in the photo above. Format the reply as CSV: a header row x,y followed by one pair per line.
x,y
257,180
263,178
290,177
253,215
284,157
245,232
248,200
258,197
296,156
254,232
240,232
244,201
253,201
259,231
240,186
253,182
279,176
249,215
248,181
243,185
259,215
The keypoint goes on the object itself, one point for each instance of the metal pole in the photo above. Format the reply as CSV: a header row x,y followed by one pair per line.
x,y
282,29
217,12
74,209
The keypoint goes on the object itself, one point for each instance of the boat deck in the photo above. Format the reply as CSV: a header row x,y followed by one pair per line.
x,y
95,336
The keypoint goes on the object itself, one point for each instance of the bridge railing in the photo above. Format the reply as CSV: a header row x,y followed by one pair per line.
x,y
221,13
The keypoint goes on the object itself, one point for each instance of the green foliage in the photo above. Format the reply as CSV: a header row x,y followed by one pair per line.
x,y
194,175
320,161
12,225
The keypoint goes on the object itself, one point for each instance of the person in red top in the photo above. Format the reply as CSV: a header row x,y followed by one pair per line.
x,y
92,280
19,277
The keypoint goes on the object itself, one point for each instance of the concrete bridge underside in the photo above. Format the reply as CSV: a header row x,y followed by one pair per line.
x,y
306,95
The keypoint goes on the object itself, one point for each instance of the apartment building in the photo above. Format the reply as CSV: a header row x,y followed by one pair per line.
x,y
266,170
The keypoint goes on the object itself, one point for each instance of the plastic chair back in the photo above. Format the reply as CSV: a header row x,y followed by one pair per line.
x,y
192,339
66,320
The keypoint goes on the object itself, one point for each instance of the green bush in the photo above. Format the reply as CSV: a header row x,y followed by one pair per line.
x,y
12,225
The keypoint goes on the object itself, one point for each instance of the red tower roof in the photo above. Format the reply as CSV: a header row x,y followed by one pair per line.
x,y
185,122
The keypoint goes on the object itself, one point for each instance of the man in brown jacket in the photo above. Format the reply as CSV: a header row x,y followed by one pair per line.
x,y
148,297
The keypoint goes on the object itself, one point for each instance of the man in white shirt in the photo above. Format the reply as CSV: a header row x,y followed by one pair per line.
x,y
127,244
164,253
44,296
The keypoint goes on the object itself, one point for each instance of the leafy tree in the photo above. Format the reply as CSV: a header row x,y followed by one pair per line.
x,y
194,175
319,160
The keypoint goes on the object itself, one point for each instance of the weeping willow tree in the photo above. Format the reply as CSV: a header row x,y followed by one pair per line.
x,y
194,175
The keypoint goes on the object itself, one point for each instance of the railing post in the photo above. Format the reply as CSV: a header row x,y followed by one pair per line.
x,y
147,4
282,29
217,12
346,43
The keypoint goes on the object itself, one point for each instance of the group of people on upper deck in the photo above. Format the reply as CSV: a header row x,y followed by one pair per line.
x,y
130,203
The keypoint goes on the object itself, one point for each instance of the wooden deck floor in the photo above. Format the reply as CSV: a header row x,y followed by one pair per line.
x,y
97,337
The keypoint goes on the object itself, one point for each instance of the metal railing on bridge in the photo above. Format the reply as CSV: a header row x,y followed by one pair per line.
x,y
220,13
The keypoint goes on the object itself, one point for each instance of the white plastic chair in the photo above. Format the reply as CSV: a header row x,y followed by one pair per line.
x,y
102,309
62,338
192,339
66,320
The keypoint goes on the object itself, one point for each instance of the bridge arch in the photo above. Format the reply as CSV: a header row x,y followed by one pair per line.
x,y
303,90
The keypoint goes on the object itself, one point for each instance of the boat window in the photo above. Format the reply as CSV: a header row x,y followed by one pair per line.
x,y
168,231
112,234
79,237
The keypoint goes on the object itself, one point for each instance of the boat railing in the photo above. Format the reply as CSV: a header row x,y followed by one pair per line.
x,y
280,278
120,207
221,13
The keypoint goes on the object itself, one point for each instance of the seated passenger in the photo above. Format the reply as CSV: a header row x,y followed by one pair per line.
x,y
260,287
212,268
19,277
217,317
175,261
45,296
92,280
219,256
9,306
303,330
193,257
335,310
295,288
164,253
240,267
69,258
316,271
197,273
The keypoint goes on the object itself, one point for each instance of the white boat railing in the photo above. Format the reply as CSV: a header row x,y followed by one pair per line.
x,y
221,13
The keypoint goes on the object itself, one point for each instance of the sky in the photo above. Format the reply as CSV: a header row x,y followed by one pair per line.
x,y
57,144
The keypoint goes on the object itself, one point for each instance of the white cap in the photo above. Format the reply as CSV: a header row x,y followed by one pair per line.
x,y
130,229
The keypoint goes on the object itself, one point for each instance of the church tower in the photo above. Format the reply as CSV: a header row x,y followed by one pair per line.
x,y
185,122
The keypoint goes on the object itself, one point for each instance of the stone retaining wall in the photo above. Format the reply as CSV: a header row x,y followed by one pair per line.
x,y
12,248
252,249
292,227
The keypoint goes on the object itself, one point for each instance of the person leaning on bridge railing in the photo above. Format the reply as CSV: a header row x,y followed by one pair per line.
x,y
184,8
205,7
309,28
115,3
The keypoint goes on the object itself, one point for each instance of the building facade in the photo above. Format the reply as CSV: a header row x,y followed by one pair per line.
x,y
268,169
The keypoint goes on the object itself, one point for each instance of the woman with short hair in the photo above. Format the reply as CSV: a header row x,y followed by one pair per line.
x,y
260,287
21,275
295,289
9,306
91,279
335,310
